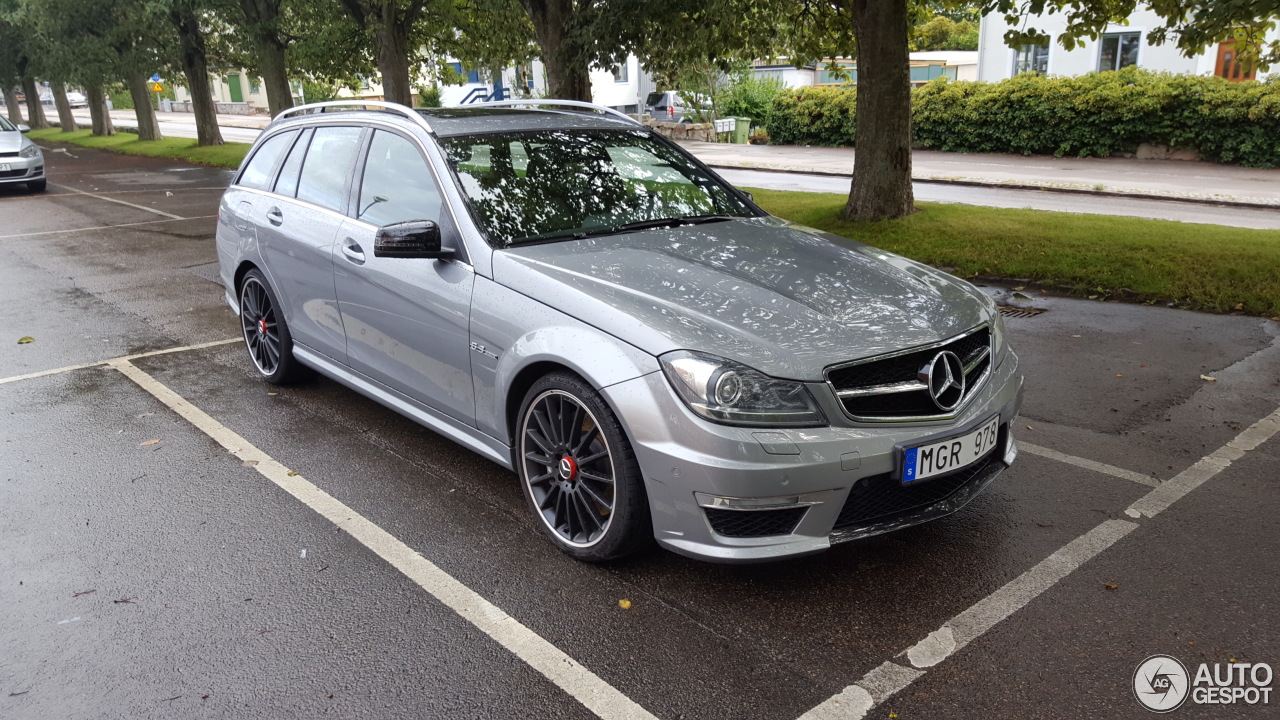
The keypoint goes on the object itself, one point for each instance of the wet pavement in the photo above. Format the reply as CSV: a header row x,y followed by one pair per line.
x,y
147,572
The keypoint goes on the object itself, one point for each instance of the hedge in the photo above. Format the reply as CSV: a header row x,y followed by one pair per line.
x,y
1097,114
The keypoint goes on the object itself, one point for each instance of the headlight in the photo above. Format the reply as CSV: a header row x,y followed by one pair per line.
x,y
997,337
29,151
727,392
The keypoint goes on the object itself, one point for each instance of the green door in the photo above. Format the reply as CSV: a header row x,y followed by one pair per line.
x,y
237,92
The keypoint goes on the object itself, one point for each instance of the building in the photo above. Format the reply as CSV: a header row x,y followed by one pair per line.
x,y
235,93
1120,46
925,66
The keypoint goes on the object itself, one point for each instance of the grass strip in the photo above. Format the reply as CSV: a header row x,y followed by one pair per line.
x,y
226,155
1203,267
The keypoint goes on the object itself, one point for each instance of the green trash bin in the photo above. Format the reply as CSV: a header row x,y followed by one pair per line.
x,y
741,130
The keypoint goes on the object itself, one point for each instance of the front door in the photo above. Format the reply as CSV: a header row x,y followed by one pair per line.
x,y
237,92
406,319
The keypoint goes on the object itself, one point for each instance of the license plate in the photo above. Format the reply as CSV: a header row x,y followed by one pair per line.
x,y
951,454
4,167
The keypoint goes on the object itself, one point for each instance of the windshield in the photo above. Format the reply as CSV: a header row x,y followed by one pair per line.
x,y
561,184
5,126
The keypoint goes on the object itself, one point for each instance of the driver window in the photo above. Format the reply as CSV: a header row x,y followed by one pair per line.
x,y
397,185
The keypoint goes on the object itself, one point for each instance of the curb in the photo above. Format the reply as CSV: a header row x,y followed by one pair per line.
x,y
1019,186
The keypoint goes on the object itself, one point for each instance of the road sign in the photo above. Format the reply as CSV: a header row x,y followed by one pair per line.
x,y
155,77
156,87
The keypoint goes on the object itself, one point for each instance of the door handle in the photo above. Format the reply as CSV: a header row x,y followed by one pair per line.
x,y
274,216
353,251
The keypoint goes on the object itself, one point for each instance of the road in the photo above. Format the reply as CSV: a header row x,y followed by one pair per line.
x,y
1189,212
345,562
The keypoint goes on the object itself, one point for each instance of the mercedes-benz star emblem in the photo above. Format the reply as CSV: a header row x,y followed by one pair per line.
x,y
567,468
944,376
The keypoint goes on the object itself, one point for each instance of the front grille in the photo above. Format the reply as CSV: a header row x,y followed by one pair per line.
x,y
889,388
13,173
8,154
882,498
754,523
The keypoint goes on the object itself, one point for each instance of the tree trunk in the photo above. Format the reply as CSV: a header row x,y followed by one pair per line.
x,y
13,107
392,39
264,26
568,77
148,125
881,186
66,120
195,66
34,111
101,119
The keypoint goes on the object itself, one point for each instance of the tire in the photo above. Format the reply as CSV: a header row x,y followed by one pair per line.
x,y
37,186
579,472
266,335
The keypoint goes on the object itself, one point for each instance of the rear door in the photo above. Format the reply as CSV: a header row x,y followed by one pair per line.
x,y
301,224
406,319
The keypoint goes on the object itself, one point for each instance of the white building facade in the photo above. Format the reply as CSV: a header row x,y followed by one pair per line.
x,y
1120,46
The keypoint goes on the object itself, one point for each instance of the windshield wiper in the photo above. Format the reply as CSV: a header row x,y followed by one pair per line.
x,y
700,219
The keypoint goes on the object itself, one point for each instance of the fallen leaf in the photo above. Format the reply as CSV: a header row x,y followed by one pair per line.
x,y
893,715
204,697
625,604
1020,287
1119,375
1030,428
293,473
1110,585
1206,378
169,194
149,442
1115,409
1076,336
273,394
1143,365
26,340
1093,297
1239,306
1191,644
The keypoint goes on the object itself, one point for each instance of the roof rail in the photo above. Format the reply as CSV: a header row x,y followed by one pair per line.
x,y
564,103
356,104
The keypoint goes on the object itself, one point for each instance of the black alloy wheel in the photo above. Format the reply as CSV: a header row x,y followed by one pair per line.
x,y
266,335
579,472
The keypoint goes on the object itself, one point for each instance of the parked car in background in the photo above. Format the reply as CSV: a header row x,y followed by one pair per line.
x,y
77,99
673,106
574,297
21,161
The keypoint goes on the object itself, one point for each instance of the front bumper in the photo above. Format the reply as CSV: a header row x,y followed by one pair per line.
x,y
710,486
21,169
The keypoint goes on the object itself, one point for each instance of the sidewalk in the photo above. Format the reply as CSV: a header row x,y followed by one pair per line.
x,y
127,118
1164,179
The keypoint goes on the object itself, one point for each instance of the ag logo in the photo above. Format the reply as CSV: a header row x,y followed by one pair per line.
x,y
1161,683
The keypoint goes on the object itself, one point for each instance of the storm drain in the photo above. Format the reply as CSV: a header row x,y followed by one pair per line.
x,y
1019,312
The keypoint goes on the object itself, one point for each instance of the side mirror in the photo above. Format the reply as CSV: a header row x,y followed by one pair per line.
x,y
412,239
24,128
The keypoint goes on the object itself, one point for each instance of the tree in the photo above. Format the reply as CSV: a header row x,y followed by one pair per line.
x,y
942,33
262,21
184,16
392,23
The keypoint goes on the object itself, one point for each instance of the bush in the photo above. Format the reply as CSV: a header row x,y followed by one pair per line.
x,y
429,97
812,116
750,96
1099,114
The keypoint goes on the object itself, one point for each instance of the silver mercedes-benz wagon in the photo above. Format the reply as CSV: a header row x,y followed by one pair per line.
x,y
574,297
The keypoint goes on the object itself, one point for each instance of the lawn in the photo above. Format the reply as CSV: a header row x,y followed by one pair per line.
x,y
228,155
1205,267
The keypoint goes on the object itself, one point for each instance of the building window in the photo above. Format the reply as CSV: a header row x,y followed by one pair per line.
x,y
848,74
255,85
473,76
1119,50
1031,58
1229,65
620,73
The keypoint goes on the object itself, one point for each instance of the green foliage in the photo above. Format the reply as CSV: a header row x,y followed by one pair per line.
x,y
120,97
317,91
813,116
751,96
1099,114
1206,267
225,155
943,33
1103,114
429,97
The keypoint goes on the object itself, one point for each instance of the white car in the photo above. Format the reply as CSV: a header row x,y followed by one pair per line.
x,y
20,159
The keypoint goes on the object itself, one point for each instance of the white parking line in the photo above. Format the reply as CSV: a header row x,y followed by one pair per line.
x,y
856,700
101,227
1088,464
580,683
69,368
119,201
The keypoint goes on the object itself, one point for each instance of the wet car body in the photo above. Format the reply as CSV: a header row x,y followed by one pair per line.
x,y
847,361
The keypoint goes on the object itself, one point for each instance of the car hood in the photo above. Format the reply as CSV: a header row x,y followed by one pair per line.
x,y
781,298
11,141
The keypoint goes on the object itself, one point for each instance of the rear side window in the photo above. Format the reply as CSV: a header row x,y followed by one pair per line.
x,y
654,99
397,185
327,166
261,168
287,183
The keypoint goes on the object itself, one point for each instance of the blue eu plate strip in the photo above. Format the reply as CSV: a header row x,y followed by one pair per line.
x,y
909,466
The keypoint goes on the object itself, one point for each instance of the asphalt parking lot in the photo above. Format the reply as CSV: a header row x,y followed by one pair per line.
x,y
181,540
